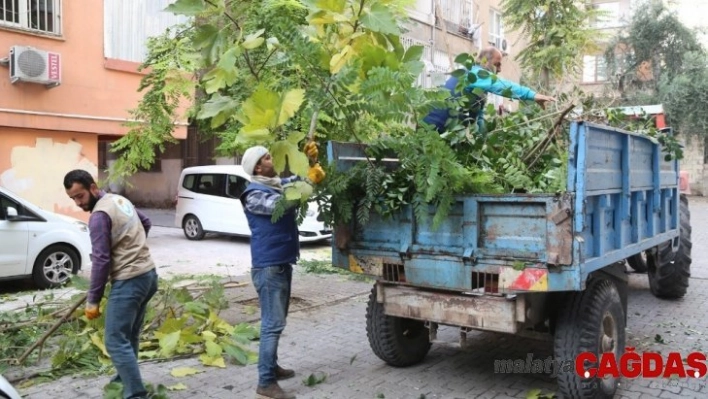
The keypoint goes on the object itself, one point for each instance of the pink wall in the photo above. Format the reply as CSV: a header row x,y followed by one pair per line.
x,y
95,93
45,132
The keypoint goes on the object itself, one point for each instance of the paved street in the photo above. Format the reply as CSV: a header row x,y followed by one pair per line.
x,y
326,335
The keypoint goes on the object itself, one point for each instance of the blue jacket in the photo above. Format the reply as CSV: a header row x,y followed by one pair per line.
x,y
272,244
438,117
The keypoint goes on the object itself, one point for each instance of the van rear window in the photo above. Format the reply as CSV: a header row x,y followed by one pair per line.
x,y
188,182
206,183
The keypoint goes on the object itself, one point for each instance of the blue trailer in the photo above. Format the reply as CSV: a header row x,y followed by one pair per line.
x,y
528,264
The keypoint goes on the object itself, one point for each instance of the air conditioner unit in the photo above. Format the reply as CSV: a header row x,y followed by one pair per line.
x,y
31,65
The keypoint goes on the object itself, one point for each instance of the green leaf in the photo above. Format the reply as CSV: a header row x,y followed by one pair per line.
x,y
463,58
216,105
458,73
259,111
211,40
533,394
413,53
296,137
285,153
213,349
225,73
253,40
380,19
168,343
217,361
314,379
177,387
291,102
340,59
244,332
483,74
186,7
331,5
184,371
304,189
291,193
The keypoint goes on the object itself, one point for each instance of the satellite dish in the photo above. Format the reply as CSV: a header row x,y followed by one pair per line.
x,y
503,45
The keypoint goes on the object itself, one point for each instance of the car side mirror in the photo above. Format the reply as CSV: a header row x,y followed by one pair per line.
x,y
11,213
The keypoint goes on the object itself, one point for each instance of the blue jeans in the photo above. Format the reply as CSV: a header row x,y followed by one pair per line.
x,y
273,287
125,312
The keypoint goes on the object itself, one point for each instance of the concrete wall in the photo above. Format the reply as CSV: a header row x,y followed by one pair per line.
x,y
155,190
694,149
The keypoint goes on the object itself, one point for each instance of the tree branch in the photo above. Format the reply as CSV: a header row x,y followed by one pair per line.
x,y
40,341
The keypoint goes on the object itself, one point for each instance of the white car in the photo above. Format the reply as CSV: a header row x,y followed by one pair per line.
x,y
208,202
43,245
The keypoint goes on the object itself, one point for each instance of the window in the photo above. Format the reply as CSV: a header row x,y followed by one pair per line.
x,y
129,23
237,185
407,42
594,69
36,15
441,68
496,28
4,204
458,18
611,17
188,182
208,183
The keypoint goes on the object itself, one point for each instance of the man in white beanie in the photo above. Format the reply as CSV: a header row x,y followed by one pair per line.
x,y
275,248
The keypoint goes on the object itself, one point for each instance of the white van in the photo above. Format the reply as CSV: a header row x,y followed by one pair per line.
x,y
208,202
40,244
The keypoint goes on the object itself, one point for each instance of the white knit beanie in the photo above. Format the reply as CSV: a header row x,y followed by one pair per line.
x,y
251,157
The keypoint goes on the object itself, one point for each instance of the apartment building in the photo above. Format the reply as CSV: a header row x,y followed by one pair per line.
x,y
446,28
70,78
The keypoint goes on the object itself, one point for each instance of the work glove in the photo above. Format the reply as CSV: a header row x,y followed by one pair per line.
x,y
316,174
91,311
311,151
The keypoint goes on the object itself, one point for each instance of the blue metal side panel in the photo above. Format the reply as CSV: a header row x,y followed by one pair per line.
x,y
626,196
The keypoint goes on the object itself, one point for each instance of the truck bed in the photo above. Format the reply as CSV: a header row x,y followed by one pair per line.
x,y
622,198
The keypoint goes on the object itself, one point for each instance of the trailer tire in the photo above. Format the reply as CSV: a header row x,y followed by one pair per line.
x,y
398,341
589,321
638,262
669,266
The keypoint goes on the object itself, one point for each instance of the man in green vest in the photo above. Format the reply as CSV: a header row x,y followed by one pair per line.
x,y
119,255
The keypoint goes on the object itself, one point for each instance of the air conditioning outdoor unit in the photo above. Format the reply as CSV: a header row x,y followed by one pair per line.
x,y
32,65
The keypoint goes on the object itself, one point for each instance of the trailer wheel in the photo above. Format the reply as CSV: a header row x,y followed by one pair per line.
x,y
398,341
638,262
669,266
589,321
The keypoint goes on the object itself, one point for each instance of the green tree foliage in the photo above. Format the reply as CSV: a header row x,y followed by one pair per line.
x,y
558,32
657,59
278,72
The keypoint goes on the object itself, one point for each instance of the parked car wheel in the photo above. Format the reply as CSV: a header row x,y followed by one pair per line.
x,y
397,341
669,266
193,228
590,321
54,266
